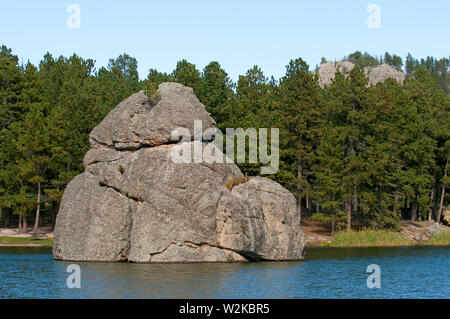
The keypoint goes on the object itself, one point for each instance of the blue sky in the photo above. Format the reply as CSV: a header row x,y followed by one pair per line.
x,y
238,34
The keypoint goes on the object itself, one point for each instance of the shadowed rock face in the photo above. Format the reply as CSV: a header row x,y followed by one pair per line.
x,y
133,203
377,74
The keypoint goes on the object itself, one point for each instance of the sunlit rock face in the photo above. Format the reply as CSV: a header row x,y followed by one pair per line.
x,y
134,203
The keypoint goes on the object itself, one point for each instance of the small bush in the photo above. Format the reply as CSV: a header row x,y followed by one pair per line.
x,y
121,169
244,230
151,90
236,181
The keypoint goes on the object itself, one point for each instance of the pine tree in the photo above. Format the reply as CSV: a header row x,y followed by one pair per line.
x,y
10,111
10,76
186,74
156,77
215,91
250,109
31,139
419,145
300,122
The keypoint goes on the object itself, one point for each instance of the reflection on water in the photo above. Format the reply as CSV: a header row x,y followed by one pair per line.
x,y
408,272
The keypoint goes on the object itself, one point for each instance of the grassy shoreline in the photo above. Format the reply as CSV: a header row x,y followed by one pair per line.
x,y
343,239
8,241
380,238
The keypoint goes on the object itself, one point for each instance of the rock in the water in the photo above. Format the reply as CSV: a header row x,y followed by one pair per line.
x,y
263,223
94,222
134,203
377,74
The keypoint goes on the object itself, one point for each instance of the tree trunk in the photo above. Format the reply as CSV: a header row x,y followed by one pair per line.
x,y
355,199
299,189
308,206
441,205
7,218
24,224
435,198
396,201
0,214
38,210
41,219
414,212
20,224
333,225
349,213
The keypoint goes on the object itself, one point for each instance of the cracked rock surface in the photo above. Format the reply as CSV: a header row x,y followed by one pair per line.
x,y
134,203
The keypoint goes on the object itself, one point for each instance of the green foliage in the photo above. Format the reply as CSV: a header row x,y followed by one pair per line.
x,y
48,113
151,90
378,152
215,90
157,77
21,241
336,219
362,59
394,61
442,238
369,238
384,238
298,115
186,74
437,68
10,76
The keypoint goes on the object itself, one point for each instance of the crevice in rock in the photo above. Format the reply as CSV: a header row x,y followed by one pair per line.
x,y
122,256
136,199
248,255
161,252
131,148
105,161
101,143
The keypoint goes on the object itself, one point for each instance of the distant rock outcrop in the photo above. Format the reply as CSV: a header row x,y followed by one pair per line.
x,y
380,73
134,203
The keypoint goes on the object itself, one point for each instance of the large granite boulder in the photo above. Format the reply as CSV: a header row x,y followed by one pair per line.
x,y
134,203
380,73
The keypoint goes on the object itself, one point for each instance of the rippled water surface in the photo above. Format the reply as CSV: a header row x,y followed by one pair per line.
x,y
410,272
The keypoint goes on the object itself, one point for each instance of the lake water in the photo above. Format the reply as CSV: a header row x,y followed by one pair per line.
x,y
409,272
